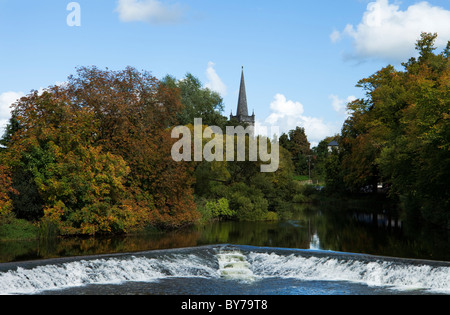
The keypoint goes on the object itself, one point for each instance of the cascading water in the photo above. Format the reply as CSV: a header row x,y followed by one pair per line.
x,y
230,268
113,270
233,265
377,273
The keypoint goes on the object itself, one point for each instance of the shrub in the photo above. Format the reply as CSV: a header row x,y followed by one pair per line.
x,y
220,209
248,202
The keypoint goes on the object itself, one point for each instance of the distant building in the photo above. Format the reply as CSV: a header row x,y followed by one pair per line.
x,y
333,145
242,115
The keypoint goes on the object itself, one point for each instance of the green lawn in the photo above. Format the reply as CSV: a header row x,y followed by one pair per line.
x,y
301,178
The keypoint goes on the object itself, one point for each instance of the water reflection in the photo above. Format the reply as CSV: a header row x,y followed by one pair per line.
x,y
314,244
380,220
377,232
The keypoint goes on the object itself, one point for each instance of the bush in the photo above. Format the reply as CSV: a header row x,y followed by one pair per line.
x,y
272,216
248,202
211,210
300,198
220,209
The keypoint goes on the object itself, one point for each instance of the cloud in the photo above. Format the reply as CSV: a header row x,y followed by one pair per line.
x,y
9,98
340,105
6,100
150,11
335,36
215,82
388,33
288,115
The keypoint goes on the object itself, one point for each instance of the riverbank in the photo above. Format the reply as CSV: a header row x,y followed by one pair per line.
x,y
12,229
362,227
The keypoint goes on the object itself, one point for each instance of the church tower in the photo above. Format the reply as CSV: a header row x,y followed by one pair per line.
x,y
242,115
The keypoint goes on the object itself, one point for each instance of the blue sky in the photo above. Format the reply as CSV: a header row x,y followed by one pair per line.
x,y
302,59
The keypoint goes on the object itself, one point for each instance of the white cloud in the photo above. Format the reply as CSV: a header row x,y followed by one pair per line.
x,y
282,108
9,98
215,82
150,11
288,115
335,36
6,100
387,32
340,105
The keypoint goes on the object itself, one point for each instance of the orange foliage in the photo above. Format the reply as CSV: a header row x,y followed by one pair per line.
x,y
99,149
5,191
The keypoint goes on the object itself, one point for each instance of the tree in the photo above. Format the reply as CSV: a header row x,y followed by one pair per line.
x,y
321,154
11,128
425,46
96,154
6,205
136,120
399,134
298,145
198,102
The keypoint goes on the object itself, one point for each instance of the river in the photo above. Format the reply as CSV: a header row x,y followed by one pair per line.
x,y
315,251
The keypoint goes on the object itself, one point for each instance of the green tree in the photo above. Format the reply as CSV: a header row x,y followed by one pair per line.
x,y
399,134
299,147
198,102
11,128
321,153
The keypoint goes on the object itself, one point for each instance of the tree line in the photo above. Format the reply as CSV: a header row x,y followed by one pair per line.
x,y
93,156
398,136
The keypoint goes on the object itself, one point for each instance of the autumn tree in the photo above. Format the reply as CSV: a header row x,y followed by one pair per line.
x,y
96,154
6,205
399,134
135,114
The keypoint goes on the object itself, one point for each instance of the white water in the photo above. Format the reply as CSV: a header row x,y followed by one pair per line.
x,y
233,265
102,271
375,274
227,265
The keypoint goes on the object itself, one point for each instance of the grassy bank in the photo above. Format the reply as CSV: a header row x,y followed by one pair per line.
x,y
15,230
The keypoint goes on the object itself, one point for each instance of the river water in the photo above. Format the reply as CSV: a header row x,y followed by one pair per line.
x,y
313,252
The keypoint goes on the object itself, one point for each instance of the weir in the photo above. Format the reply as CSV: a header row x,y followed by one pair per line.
x,y
224,265
233,265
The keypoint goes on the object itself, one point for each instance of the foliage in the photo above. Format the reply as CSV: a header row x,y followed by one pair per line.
x,y
198,102
399,135
248,202
220,209
6,189
93,156
296,142
251,194
12,229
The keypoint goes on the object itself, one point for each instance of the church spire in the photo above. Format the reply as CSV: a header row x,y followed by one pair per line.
x,y
242,110
242,103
